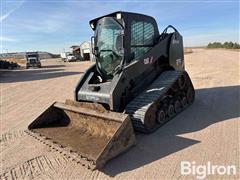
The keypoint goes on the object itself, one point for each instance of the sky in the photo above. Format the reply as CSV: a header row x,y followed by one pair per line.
x,y
55,25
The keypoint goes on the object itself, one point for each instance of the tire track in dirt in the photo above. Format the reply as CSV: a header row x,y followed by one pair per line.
x,y
9,140
35,102
89,174
34,167
94,175
11,136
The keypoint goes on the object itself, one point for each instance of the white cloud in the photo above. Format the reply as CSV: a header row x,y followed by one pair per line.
x,y
46,26
56,21
7,39
5,16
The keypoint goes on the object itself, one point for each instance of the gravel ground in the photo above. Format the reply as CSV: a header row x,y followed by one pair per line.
x,y
206,131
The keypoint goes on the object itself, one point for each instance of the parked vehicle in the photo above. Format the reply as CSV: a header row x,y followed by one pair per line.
x,y
70,58
32,60
8,65
63,56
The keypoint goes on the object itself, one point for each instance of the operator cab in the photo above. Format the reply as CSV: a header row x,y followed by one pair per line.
x,y
129,55
121,38
108,45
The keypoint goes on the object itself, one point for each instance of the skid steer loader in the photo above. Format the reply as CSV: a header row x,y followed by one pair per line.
x,y
138,82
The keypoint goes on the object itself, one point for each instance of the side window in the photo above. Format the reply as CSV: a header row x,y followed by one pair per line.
x,y
142,34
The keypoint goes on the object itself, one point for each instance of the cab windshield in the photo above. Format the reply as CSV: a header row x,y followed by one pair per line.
x,y
109,46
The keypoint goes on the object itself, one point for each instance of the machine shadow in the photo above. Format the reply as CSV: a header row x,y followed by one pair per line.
x,y
210,106
34,74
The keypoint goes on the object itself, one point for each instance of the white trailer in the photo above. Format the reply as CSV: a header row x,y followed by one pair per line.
x,y
63,55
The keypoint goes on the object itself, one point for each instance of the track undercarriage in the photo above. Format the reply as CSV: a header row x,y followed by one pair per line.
x,y
167,96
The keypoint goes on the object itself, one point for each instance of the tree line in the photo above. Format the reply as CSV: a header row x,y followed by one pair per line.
x,y
227,45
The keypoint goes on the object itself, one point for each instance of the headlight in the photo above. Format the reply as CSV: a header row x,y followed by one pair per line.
x,y
119,16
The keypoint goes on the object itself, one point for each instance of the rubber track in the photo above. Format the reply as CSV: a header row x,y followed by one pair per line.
x,y
137,108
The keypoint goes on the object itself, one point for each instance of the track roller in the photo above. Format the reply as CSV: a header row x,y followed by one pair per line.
x,y
161,116
184,102
171,111
177,106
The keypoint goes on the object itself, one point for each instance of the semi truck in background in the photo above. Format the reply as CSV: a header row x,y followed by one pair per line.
x,y
32,60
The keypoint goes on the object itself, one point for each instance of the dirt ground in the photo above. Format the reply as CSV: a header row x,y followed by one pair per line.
x,y
206,131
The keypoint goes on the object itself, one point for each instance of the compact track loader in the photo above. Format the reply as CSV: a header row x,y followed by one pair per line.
x,y
138,82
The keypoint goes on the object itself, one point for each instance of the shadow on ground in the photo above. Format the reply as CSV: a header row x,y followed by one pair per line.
x,y
33,74
212,105
53,66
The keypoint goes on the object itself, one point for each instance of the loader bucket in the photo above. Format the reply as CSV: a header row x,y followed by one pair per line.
x,y
88,134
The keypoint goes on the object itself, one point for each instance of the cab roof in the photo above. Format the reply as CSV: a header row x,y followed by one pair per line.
x,y
124,16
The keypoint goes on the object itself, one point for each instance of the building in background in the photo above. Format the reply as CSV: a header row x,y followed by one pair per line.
x,y
83,52
76,52
86,51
